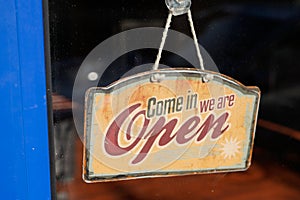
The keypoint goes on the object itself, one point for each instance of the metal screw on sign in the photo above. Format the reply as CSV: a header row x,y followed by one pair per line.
x,y
178,7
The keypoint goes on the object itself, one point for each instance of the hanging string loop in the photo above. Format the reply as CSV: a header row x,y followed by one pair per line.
x,y
178,7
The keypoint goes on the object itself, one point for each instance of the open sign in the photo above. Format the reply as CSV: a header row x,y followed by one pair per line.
x,y
181,125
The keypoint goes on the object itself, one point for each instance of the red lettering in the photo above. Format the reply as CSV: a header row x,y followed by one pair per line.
x,y
210,123
161,133
156,130
204,105
186,128
111,143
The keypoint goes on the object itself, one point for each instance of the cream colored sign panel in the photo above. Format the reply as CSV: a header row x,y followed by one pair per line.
x,y
180,125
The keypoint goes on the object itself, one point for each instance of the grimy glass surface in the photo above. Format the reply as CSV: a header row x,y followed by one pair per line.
x,y
255,42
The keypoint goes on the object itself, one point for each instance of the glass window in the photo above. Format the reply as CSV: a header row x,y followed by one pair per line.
x,y
254,42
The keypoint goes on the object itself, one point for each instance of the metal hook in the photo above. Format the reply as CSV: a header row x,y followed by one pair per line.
x,y
178,7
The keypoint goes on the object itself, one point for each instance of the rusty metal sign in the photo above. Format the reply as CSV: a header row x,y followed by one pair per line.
x,y
175,126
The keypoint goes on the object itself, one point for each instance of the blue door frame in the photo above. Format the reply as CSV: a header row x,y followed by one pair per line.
x,y
24,147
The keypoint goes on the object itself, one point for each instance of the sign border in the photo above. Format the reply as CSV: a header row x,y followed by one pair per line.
x,y
197,73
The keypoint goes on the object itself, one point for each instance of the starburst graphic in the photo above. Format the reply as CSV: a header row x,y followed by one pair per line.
x,y
230,148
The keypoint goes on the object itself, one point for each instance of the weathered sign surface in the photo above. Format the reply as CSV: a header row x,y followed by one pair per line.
x,y
180,125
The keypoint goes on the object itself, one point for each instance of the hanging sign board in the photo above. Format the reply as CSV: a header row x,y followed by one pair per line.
x,y
176,126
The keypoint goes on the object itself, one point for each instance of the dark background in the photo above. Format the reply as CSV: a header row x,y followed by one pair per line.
x,y
255,42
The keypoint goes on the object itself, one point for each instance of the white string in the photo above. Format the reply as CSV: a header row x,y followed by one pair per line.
x,y
163,41
195,40
165,34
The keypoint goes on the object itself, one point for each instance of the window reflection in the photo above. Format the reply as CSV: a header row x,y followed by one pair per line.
x,y
256,43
